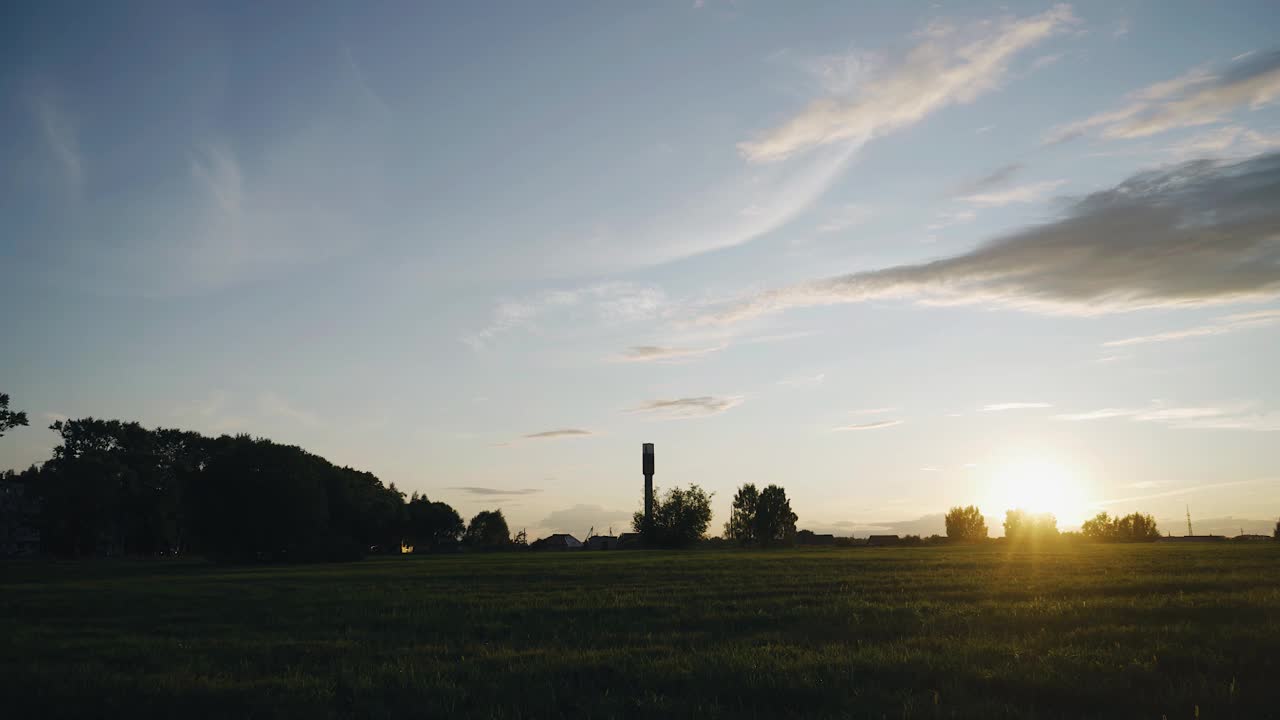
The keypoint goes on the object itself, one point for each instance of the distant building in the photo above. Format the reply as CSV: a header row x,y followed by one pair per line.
x,y
1193,538
602,542
883,540
805,537
559,541
19,515
1251,537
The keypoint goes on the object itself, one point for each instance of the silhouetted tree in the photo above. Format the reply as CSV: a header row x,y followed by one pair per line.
x,y
966,524
1100,527
487,530
775,523
740,527
432,524
521,539
1276,533
1022,525
1135,527
680,517
10,419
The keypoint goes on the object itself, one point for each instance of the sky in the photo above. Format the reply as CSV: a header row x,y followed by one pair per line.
x,y
894,257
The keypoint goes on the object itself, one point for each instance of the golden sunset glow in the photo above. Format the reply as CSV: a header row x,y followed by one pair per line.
x,y
1037,485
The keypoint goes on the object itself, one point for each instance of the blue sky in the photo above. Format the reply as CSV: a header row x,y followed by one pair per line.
x,y
893,256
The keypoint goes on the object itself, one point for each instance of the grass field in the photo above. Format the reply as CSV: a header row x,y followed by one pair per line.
x,y
1138,631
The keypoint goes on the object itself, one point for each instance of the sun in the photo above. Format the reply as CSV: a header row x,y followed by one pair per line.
x,y
1037,486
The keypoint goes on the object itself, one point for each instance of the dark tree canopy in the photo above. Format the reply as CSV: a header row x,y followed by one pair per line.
x,y
741,524
775,523
761,517
966,524
680,517
487,530
119,488
10,419
431,525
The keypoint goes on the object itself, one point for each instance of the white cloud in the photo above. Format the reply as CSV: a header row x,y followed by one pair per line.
x,y
868,426
689,407
1198,97
1235,416
609,303
1221,326
1020,194
1195,234
1001,407
939,72
1227,141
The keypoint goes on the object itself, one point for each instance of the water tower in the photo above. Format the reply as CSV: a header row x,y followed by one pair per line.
x,y
646,463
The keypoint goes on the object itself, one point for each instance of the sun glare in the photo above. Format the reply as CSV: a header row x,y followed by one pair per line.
x,y
1037,486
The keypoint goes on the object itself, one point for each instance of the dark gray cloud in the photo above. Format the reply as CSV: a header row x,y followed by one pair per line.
x,y
550,434
487,491
688,407
1198,233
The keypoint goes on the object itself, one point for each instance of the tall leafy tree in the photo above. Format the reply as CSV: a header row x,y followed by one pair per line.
x,y
680,517
487,530
775,523
966,524
10,419
740,527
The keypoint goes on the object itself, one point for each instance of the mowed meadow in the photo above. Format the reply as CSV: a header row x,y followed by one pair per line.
x,y
1145,630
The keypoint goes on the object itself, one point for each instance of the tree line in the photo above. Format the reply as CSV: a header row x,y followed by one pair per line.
x,y
116,487
966,524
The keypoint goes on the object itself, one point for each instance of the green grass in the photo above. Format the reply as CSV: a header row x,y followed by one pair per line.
x,y
1116,631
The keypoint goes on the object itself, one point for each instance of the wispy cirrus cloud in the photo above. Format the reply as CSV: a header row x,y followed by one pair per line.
x,y
688,407
554,434
1222,326
1031,192
1001,407
949,67
60,134
491,492
1199,97
868,426
605,303
1226,141
660,353
1194,234
1234,416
